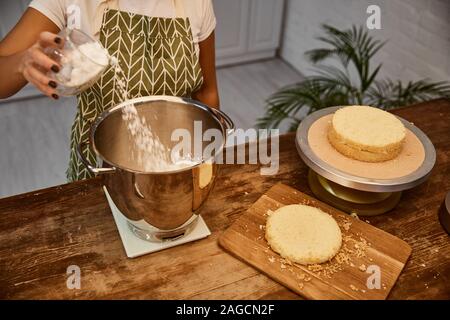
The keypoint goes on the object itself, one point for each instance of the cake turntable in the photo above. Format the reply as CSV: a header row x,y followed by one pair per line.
x,y
356,186
444,213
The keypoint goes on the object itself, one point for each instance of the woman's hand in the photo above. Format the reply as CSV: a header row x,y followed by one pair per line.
x,y
35,64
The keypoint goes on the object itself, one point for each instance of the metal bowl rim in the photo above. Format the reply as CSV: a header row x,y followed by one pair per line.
x,y
155,98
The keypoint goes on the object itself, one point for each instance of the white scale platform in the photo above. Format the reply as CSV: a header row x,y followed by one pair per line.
x,y
135,247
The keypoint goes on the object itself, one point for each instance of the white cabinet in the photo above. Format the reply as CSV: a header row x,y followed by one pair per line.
x,y
247,29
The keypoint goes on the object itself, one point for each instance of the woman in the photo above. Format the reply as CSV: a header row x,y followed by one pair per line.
x,y
165,47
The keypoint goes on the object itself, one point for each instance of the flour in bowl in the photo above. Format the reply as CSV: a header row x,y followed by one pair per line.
x,y
150,153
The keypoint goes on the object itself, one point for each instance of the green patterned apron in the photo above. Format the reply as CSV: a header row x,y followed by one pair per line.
x,y
157,56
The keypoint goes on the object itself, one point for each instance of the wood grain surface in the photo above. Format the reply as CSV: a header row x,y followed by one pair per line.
x,y
44,232
246,240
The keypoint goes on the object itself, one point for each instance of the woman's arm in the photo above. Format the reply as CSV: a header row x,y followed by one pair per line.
x,y
208,93
21,54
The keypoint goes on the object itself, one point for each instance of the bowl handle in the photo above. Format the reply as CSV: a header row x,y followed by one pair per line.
x,y
89,166
223,118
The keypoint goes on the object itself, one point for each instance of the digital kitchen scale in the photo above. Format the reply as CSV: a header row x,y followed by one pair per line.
x,y
356,186
135,246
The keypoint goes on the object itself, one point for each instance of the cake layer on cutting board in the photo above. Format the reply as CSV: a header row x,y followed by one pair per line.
x,y
303,234
366,252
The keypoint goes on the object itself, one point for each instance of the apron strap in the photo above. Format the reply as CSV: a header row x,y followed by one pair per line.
x,y
99,11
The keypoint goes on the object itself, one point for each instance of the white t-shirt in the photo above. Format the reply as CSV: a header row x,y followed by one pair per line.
x,y
80,13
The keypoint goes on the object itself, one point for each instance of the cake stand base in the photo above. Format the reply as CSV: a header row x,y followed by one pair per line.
x,y
351,200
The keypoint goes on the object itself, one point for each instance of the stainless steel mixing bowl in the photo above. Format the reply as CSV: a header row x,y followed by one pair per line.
x,y
159,206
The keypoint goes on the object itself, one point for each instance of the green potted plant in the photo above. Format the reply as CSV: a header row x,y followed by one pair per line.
x,y
333,85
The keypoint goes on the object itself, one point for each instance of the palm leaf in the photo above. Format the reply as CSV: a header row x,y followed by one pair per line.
x,y
388,94
332,86
290,101
353,45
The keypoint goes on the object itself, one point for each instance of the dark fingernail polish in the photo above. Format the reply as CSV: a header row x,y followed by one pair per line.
x,y
52,84
55,68
58,40
55,96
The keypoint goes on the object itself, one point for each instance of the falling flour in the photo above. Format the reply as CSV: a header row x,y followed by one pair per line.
x,y
149,152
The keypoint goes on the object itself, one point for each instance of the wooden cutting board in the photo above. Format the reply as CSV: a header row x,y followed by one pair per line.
x,y
367,253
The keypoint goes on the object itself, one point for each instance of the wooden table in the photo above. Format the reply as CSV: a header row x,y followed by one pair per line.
x,y
44,232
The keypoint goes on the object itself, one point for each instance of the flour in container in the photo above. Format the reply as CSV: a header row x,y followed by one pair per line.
x,y
83,64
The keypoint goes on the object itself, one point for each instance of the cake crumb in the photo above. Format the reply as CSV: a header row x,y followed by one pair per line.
x,y
353,288
346,226
354,215
301,276
362,267
286,261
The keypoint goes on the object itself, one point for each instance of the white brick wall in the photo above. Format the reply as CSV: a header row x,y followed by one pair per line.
x,y
418,34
